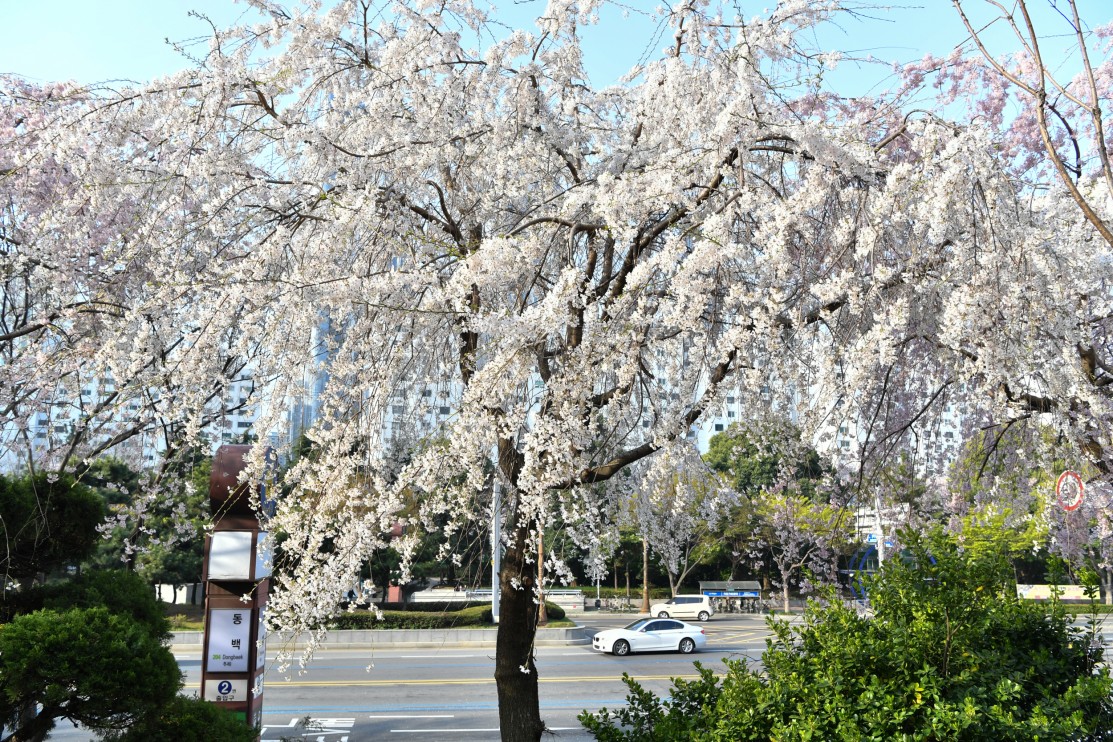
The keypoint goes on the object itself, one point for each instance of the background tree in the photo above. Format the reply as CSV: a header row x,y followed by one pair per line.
x,y
46,522
795,534
782,519
678,507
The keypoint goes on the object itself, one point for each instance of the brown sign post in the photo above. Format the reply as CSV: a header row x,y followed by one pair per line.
x,y
237,576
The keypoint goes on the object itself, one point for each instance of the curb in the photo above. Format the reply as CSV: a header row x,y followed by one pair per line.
x,y
186,641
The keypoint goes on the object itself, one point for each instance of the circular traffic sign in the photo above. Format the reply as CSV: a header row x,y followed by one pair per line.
x,y
1069,490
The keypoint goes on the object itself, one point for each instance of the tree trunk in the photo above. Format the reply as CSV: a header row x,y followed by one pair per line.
x,y
1107,583
645,575
515,671
785,595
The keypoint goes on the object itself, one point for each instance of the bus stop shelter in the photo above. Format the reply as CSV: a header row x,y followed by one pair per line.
x,y
734,596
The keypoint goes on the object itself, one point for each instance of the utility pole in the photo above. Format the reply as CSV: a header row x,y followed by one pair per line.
x,y
880,531
542,614
496,549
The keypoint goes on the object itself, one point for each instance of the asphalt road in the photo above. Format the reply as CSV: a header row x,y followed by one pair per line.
x,y
448,694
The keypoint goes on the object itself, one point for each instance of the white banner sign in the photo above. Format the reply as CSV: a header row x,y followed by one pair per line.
x,y
229,635
230,556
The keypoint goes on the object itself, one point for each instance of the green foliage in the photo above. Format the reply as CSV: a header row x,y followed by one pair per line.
x,y
119,591
753,459
684,715
475,616
949,653
100,669
554,611
433,606
165,557
655,593
188,719
45,523
422,618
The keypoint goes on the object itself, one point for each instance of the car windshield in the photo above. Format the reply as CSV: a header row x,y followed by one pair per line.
x,y
637,624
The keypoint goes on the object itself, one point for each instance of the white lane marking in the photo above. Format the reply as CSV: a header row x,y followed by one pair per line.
x,y
411,716
456,731
438,656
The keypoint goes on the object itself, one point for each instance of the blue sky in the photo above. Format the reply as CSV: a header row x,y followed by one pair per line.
x,y
97,40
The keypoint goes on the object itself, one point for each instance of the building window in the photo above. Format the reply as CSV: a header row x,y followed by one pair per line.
x,y
730,413
243,424
718,427
444,410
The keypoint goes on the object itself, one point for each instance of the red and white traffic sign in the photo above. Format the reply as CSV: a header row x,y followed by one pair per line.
x,y
1069,490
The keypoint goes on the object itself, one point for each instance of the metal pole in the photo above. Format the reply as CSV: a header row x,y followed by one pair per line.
x,y
496,549
880,531
542,614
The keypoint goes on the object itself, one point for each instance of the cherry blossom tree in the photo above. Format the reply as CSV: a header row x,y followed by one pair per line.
x,y
680,504
798,534
434,203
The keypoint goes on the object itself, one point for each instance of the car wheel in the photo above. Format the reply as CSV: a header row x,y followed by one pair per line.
x,y
703,615
663,614
621,648
687,646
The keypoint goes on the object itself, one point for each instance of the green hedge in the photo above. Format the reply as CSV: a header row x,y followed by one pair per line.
x,y
655,593
1082,609
440,606
475,616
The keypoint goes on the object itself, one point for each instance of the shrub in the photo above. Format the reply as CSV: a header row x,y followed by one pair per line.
x,y
949,653
476,616
554,611
655,593
188,719
440,606
100,669
118,590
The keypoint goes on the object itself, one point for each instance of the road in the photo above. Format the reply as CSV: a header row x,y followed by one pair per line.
x,y
448,695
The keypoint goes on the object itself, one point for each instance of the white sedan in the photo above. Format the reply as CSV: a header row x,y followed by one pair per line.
x,y
651,635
